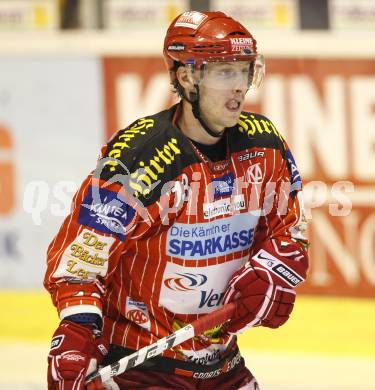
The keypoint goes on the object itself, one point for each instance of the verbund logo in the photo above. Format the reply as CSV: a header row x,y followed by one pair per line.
x,y
185,282
7,172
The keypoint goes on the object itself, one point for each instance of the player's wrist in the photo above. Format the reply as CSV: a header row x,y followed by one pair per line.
x,y
91,321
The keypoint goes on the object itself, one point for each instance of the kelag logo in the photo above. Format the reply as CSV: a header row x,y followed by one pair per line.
x,y
185,282
105,212
223,186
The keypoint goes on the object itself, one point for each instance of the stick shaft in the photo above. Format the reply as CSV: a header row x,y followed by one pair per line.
x,y
187,332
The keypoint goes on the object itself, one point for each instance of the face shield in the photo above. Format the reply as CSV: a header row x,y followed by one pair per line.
x,y
227,74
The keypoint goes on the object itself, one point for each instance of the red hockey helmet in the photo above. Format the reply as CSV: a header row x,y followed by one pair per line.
x,y
195,38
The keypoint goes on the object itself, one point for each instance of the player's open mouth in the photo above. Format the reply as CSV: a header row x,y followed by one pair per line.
x,y
232,105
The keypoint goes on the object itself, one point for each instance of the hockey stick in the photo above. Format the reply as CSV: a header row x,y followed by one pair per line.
x,y
197,327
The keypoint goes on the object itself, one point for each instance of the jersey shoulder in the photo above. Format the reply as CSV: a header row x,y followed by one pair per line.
x,y
147,154
131,141
256,130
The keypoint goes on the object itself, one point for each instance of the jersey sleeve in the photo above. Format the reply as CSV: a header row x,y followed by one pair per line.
x,y
104,221
283,222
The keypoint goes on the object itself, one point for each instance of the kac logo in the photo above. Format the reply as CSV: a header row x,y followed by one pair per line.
x,y
185,282
137,316
254,174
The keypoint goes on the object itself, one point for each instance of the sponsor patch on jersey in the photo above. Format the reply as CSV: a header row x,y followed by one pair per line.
x,y
185,281
196,290
103,210
255,174
85,257
295,180
223,206
136,311
223,186
211,239
190,19
278,268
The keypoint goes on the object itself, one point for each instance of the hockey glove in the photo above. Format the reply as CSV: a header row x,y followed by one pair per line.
x,y
263,287
74,352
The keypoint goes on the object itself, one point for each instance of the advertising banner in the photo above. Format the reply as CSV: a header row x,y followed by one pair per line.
x,y
260,14
141,14
51,129
325,110
35,15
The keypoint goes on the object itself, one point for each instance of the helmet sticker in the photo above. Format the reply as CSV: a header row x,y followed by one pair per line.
x,y
241,44
190,19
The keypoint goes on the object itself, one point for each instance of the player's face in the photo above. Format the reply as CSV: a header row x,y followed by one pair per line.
x,y
222,93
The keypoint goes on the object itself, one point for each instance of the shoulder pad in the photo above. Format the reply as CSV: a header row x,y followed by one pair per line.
x,y
256,124
259,131
145,156
127,142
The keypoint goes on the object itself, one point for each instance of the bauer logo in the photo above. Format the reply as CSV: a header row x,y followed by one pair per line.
x,y
249,156
56,341
223,186
288,275
176,47
211,239
277,267
102,209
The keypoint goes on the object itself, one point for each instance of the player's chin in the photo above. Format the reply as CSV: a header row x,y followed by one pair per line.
x,y
232,119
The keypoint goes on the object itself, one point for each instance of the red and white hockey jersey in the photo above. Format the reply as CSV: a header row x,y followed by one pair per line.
x,y
157,230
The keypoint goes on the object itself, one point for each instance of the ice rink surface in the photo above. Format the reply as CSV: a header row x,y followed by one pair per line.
x,y
23,367
328,344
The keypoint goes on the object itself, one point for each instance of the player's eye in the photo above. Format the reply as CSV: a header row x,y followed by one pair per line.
x,y
226,73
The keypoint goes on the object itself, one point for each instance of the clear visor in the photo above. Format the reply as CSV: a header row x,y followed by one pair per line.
x,y
222,74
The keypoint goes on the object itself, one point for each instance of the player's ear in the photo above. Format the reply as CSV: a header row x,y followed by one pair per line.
x,y
184,78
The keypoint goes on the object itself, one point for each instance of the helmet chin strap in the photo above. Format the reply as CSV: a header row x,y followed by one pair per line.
x,y
194,101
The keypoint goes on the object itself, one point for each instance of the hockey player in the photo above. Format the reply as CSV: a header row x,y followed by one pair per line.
x,y
187,210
